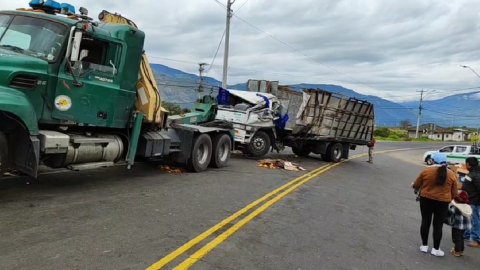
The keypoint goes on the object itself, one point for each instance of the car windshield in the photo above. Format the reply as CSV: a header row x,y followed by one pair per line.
x,y
31,36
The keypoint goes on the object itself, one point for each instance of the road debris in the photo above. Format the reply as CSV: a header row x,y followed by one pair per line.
x,y
279,164
11,172
170,169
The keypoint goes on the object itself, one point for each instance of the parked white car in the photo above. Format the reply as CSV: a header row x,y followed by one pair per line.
x,y
455,154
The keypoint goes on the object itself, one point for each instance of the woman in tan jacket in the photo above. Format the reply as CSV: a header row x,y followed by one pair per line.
x,y
438,187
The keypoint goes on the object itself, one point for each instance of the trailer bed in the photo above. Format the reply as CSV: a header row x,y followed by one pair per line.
x,y
316,114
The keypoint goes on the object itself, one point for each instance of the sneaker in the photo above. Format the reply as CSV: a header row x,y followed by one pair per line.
x,y
437,252
424,249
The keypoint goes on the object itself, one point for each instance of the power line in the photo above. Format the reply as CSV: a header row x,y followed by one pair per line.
x,y
218,48
450,114
220,3
304,76
240,6
304,54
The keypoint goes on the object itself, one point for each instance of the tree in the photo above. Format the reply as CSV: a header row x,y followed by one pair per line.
x,y
172,108
405,124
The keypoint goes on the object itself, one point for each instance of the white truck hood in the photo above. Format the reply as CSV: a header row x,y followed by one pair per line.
x,y
252,98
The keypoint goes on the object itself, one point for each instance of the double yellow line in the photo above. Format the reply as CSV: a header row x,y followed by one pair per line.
x,y
279,192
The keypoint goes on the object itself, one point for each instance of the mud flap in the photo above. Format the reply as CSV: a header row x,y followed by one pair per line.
x,y
25,153
346,150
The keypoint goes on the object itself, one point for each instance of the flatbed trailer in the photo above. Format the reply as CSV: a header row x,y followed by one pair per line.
x,y
325,123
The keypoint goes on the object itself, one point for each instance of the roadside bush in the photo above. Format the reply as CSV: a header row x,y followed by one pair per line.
x,y
381,132
393,137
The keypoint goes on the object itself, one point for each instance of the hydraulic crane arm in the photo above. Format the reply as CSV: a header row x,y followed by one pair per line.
x,y
147,86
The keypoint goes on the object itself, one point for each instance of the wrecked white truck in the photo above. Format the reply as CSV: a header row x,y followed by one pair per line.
x,y
311,121
253,116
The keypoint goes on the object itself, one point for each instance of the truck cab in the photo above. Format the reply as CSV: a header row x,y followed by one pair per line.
x,y
63,73
253,116
72,94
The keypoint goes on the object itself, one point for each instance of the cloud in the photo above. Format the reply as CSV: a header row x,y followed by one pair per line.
x,y
474,96
386,48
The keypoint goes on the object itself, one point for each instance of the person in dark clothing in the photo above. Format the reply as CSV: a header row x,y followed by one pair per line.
x,y
438,188
461,213
471,185
371,146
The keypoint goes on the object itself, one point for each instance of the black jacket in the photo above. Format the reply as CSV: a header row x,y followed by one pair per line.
x,y
471,185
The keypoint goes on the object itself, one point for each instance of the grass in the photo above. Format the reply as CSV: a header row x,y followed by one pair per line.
x,y
397,135
402,139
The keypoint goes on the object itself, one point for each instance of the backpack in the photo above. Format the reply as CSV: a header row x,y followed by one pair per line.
x,y
450,217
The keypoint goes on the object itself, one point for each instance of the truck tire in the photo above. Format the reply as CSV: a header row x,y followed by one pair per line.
x,y
222,147
201,153
259,144
334,152
303,152
3,154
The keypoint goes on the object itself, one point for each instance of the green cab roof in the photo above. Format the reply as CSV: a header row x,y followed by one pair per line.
x,y
113,30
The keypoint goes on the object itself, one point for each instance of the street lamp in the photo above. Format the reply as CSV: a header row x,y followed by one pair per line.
x,y
478,77
470,69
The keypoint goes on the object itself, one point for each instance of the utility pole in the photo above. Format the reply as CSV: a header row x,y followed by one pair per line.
x,y
227,41
419,112
201,69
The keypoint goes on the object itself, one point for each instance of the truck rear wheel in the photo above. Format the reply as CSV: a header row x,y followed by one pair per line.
x,y
334,152
201,153
303,152
3,154
259,144
222,146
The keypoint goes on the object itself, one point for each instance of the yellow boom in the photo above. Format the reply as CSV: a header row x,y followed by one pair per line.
x,y
146,86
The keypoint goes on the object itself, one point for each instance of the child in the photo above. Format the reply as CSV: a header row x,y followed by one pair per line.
x,y
461,212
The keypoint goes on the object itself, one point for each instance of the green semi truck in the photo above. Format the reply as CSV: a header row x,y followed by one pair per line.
x,y
80,93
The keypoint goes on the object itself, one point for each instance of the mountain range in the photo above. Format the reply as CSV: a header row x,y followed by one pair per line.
x,y
181,87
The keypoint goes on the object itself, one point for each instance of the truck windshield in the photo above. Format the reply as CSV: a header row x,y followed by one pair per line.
x,y
31,36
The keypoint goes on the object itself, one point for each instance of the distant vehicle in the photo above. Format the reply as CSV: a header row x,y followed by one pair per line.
x,y
455,153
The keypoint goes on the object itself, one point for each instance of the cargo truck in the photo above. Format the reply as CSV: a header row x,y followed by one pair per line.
x,y
78,93
311,121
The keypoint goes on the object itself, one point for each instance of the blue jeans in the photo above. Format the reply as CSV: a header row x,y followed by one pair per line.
x,y
474,234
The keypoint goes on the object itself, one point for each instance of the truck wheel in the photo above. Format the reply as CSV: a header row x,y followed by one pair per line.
x,y
201,154
222,146
429,160
259,144
3,154
303,152
334,152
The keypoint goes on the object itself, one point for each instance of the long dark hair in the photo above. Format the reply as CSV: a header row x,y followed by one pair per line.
x,y
442,174
472,161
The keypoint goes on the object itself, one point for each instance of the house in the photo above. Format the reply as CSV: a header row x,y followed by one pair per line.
x,y
435,132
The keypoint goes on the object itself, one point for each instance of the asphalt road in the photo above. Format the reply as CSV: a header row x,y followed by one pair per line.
x,y
353,216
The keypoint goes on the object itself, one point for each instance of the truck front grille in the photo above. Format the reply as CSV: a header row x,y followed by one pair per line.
x,y
23,81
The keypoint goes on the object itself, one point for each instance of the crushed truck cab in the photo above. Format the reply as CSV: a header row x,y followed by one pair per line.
x,y
77,93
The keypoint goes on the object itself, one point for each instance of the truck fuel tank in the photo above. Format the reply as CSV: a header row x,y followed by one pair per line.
x,y
63,149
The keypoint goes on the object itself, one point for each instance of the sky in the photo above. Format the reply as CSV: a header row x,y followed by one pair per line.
x,y
380,47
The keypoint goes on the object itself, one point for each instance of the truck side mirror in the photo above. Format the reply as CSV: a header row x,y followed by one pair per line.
x,y
83,54
77,40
